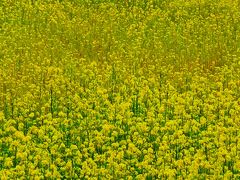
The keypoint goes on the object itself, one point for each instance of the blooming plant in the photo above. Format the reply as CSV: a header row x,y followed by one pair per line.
x,y
108,89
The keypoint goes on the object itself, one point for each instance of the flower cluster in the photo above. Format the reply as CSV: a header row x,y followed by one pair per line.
x,y
119,90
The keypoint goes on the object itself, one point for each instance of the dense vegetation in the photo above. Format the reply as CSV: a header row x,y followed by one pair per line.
x,y
106,89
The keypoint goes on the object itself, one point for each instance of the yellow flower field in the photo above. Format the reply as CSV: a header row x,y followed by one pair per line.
x,y
107,89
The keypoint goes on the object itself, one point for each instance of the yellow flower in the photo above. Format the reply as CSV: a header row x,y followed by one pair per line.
x,y
68,166
31,115
8,162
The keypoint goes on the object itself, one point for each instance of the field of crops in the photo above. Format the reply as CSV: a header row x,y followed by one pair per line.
x,y
107,89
